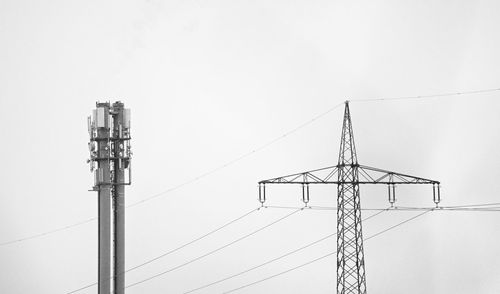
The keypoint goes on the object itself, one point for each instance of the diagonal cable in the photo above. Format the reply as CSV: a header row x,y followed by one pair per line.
x,y
214,251
175,249
259,148
188,182
324,256
428,96
48,232
193,241
274,259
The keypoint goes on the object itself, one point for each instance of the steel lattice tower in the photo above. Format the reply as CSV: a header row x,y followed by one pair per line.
x,y
351,278
350,259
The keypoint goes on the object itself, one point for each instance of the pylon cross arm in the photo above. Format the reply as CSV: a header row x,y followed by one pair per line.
x,y
372,175
364,175
367,175
324,175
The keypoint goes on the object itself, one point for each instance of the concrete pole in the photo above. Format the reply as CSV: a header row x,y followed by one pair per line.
x,y
119,198
104,199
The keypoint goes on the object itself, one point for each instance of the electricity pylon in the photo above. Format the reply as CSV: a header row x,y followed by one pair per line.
x,y
351,277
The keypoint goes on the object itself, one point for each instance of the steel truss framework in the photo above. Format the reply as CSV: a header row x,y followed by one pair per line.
x,y
348,175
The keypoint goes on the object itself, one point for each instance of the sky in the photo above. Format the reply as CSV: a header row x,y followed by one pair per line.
x,y
210,81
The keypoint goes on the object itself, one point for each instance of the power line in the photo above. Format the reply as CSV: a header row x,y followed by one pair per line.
x,y
215,250
400,223
176,249
312,207
326,237
193,241
455,208
399,208
429,96
241,157
262,264
472,205
281,273
274,259
324,256
48,232
490,209
193,180
475,207
286,207
259,148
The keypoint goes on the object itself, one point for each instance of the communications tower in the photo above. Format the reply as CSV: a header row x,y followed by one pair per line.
x,y
110,161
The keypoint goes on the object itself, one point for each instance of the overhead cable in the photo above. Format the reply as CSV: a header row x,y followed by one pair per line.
x,y
428,96
477,207
177,248
48,232
241,157
324,256
274,259
214,251
193,180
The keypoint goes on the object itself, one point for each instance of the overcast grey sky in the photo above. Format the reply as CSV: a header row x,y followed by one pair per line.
x,y
209,81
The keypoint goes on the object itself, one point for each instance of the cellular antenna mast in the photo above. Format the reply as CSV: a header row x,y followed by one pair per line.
x,y
109,146
350,174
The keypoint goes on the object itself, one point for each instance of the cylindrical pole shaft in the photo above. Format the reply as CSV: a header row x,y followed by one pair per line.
x,y
104,208
104,234
119,201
